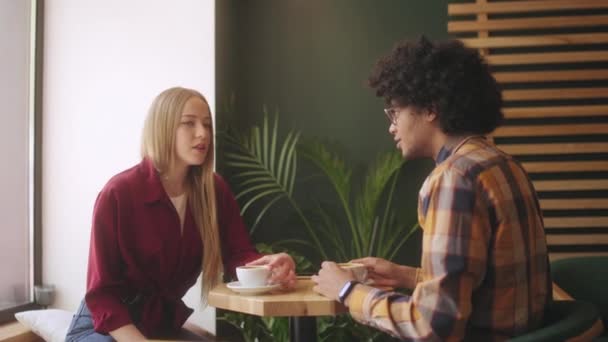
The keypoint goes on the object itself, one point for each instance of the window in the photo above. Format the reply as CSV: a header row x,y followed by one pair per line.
x,y
19,151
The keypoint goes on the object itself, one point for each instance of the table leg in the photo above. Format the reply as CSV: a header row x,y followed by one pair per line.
x,y
302,329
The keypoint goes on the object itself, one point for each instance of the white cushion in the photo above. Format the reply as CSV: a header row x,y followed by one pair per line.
x,y
51,324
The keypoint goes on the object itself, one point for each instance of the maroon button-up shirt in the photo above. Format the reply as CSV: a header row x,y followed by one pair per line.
x,y
139,252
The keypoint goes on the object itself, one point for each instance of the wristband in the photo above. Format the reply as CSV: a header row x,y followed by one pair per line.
x,y
346,290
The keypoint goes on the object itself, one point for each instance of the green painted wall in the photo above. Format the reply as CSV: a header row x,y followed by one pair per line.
x,y
311,59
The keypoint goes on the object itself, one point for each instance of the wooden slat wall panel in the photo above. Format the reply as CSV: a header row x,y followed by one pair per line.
x,y
525,6
551,57
540,40
576,221
483,34
557,255
555,148
555,111
548,57
579,239
498,25
575,204
566,166
571,185
554,94
550,130
551,76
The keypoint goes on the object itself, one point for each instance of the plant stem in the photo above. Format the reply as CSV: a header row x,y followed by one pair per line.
x,y
403,241
351,223
387,207
308,227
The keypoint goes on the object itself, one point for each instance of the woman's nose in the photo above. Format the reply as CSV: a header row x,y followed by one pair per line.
x,y
200,131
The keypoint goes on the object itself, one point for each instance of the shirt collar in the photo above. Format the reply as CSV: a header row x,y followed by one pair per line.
x,y
445,152
153,190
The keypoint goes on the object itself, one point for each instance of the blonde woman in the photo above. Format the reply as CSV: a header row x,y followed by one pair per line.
x,y
157,224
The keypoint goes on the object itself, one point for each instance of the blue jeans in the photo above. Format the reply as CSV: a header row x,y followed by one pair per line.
x,y
81,328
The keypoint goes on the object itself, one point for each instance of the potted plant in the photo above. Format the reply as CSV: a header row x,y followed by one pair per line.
x,y
264,169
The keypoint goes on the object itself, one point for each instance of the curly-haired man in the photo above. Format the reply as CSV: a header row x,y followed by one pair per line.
x,y
484,273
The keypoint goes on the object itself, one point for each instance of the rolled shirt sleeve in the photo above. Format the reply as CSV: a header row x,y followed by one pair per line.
x,y
453,262
105,284
237,248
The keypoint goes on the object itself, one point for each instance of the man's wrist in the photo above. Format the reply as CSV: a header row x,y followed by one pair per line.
x,y
411,277
346,290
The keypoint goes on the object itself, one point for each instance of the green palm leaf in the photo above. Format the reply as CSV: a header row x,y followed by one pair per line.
x,y
339,177
265,178
266,169
366,204
253,157
331,165
399,242
330,231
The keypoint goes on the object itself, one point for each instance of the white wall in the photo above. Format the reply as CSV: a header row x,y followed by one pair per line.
x,y
104,61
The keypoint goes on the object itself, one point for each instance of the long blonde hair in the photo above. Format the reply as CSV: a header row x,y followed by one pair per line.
x,y
158,145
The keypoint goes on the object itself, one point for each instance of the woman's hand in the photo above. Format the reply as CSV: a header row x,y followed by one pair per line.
x,y
386,273
282,267
128,332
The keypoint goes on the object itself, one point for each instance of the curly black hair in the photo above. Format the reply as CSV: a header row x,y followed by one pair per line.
x,y
445,77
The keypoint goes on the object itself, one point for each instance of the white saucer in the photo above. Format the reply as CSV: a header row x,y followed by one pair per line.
x,y
237,287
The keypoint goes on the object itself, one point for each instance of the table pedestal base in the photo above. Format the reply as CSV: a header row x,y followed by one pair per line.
x,y
302,329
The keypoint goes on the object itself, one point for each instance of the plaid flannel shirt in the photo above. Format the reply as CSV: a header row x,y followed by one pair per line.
x,y
485,272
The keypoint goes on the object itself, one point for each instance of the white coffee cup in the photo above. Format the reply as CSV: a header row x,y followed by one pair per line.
x,y
359,270
253,276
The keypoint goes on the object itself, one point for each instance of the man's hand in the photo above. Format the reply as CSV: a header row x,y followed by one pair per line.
x,y
331,279
282,267
386,273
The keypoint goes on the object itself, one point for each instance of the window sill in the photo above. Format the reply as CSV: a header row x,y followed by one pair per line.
x,y
15,331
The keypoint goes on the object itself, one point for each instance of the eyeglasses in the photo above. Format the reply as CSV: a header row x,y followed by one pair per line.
x,y
391,114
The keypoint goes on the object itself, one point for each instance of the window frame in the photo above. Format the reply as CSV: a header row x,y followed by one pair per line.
x,y
35,170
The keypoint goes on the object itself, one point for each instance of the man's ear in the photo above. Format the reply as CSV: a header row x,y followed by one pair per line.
x,y
430,115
